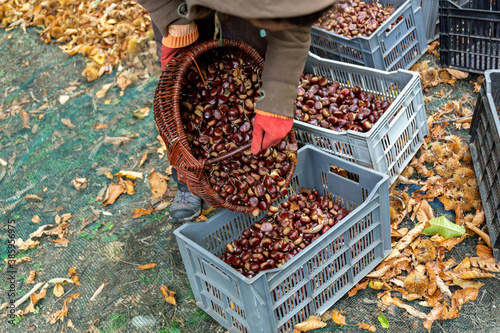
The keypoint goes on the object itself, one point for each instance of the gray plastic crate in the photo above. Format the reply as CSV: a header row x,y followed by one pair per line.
x,y
311,282
399,48
430,11
394,139
485,151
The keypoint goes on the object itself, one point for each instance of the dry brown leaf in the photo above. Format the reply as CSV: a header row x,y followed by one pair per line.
x,y
36,219
79,183
70,324
58,290
59,315
443,286
169,295
338,318
457,74
311,323
162,205
359,286
158,183
130,174
101,93
31,277
168,170
112,193
129,186
25,118
484,251
67,122
117,140
138,212
487,264
63,99
33,196
465,274
201,218
143,158
100,126
407,239
98,291
463,296
34,298
147,266
368,327
447,243
412,311
424,212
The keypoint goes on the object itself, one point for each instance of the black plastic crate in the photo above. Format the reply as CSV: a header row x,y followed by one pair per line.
x,y
485,151
469,32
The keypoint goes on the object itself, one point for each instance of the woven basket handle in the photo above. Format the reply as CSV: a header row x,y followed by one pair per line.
x,y
228,155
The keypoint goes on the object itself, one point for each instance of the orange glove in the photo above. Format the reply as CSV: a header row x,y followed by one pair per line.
x,y
269,129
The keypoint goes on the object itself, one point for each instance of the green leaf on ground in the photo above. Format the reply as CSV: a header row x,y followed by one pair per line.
x,y
442,226
383,321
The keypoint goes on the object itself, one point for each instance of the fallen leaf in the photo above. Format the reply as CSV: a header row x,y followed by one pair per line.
x,y
63,99
36,219
368,327
73,276
467,284
376,285
442,286
100,126
383,321
484,251
32,196
424,212
79,183
457,74
58,290
141,113
359,286
338,318
112,193
201,218
70,324
98,291
143,158
465,274
67,122
442,226
117,140
25,118
208,210
162,205
168,170
406,240
462,296
34,298
138,212
168,295
59,315
158,184
24,245
147,266
102,92
130,174
311,323
487,264
31,277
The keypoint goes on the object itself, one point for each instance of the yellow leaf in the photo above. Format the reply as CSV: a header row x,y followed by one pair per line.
x,y
169,295
467,284
311,323
147,266
58,290
99,58
207,211
368,327
36,219
376,285
109,175
338,318
101,93
141,113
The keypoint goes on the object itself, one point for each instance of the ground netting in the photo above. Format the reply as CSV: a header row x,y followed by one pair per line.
x,y
105,243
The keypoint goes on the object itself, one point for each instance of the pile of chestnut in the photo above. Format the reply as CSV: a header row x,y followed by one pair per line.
x,y
217,112
351,18
329,105
286,231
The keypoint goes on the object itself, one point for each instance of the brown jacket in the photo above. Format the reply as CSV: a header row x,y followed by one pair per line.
x,y
286,51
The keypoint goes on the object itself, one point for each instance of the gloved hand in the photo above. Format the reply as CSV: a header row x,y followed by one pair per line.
x,y
167,53
268,130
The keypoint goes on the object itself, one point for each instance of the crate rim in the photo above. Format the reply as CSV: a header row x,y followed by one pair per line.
x,y
400,9
415,77
465,8
368,199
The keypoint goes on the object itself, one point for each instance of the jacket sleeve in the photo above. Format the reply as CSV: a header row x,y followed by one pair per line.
x,y
164,13
286,56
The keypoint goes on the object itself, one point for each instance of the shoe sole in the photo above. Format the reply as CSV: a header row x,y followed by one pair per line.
x,y
186,219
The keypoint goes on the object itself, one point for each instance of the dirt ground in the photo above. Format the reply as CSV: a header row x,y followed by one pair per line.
x,y
106,245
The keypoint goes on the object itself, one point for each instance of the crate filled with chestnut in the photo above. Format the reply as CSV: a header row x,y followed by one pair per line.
x,y
385,34
269,272
370,117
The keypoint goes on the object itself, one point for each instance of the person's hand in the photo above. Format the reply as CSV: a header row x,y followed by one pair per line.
x,y
269,130
167,53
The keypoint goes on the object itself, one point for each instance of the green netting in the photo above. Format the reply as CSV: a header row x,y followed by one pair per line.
x,y
106,243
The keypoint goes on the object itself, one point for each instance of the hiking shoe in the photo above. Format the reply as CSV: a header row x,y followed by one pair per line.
x,y
185,208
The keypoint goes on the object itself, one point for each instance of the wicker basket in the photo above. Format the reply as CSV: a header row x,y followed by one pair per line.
x,y
168,119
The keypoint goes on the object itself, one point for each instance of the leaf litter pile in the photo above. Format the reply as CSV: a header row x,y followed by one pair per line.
x,y
416,272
